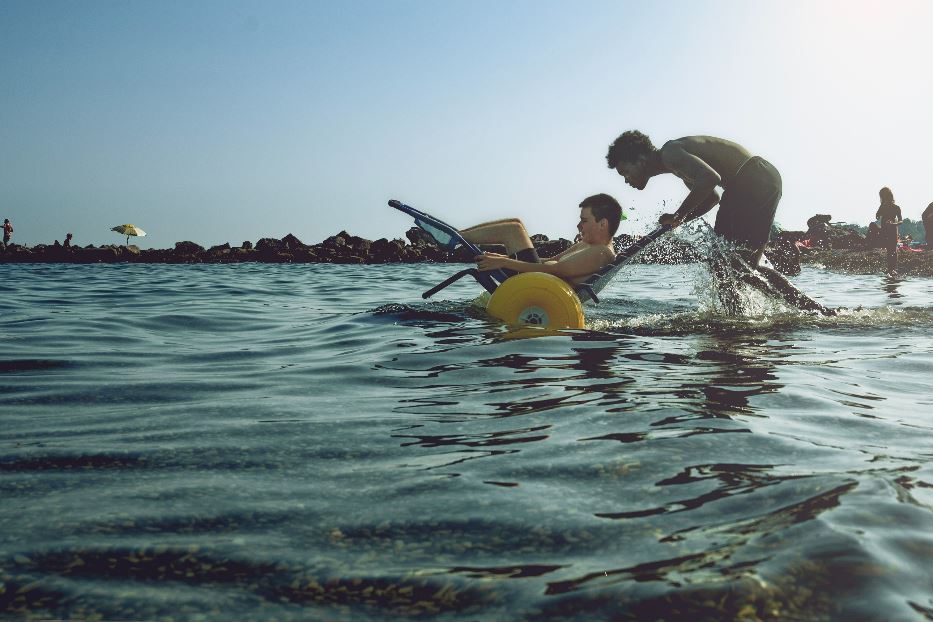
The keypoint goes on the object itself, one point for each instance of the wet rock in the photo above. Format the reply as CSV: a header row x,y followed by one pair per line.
x,y
873,238
291,242
824,234
269,246
188,248
463,255
417,235
860,261
819,220
244,254
386,251
549,248
154,255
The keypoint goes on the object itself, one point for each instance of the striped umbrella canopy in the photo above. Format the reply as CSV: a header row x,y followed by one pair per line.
x,y
128,230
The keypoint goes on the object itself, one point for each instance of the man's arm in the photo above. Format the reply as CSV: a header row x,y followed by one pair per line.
x,y
578,265
705,206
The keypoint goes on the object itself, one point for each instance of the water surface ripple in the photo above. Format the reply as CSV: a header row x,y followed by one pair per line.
x,y
278,442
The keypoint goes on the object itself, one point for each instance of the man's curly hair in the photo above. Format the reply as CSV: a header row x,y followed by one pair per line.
x,y
627,148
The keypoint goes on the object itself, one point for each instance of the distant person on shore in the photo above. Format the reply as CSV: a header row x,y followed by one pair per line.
x,y
7,232
600,215
751,191
67,243
873,236
817,230
889,215
927,218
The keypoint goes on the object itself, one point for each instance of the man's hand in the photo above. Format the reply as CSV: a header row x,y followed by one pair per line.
x,y
490,261
670,219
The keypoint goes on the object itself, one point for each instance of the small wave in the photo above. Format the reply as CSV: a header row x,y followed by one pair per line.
x,y
437,312
33,365
200,568
712,322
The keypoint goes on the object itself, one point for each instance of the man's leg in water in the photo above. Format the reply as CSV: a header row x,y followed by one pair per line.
x,y
772,283
510,232
727,284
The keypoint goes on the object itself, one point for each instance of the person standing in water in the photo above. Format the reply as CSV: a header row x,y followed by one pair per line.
x,y
889,215
7,232
751,187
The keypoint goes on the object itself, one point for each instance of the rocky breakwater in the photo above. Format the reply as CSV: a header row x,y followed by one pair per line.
x,y
843,249
342,248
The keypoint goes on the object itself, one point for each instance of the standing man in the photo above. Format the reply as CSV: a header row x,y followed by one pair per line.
x,y
751,191
7,232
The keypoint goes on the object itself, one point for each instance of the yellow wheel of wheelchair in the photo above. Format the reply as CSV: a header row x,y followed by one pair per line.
x,y
536,298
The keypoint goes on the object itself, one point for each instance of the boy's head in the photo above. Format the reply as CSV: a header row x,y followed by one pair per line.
x,y
604,207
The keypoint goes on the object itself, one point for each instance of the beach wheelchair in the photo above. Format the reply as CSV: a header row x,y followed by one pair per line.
x,y
528,298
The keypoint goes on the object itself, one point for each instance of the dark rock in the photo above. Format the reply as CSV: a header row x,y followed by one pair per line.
x,y
361,245
417,235
818,220
386,251
871,261
270,245
549,248
104,254
305,255
823,234
293,243
335,241
154,255
243,254
873,238
463,255
188,248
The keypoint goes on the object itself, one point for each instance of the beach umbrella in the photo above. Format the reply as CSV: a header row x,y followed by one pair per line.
x,y
128,230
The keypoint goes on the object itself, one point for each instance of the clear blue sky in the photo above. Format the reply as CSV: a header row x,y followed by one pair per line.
x,y
232,120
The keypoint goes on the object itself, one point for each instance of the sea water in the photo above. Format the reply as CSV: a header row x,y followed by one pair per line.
x,y
316,442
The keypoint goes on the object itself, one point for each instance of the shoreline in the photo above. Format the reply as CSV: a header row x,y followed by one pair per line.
x,y
344,248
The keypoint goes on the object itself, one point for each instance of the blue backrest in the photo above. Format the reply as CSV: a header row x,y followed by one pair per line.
x,y
450,238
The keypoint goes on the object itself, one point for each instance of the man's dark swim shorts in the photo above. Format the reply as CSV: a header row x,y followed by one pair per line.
x,y
747,207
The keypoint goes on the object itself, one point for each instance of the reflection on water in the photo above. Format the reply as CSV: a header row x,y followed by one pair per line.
x,y
288,449
891,286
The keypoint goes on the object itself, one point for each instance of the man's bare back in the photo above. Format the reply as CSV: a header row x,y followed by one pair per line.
x,y
722,156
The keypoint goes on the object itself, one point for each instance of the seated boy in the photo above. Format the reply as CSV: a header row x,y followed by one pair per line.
x,y
600,215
